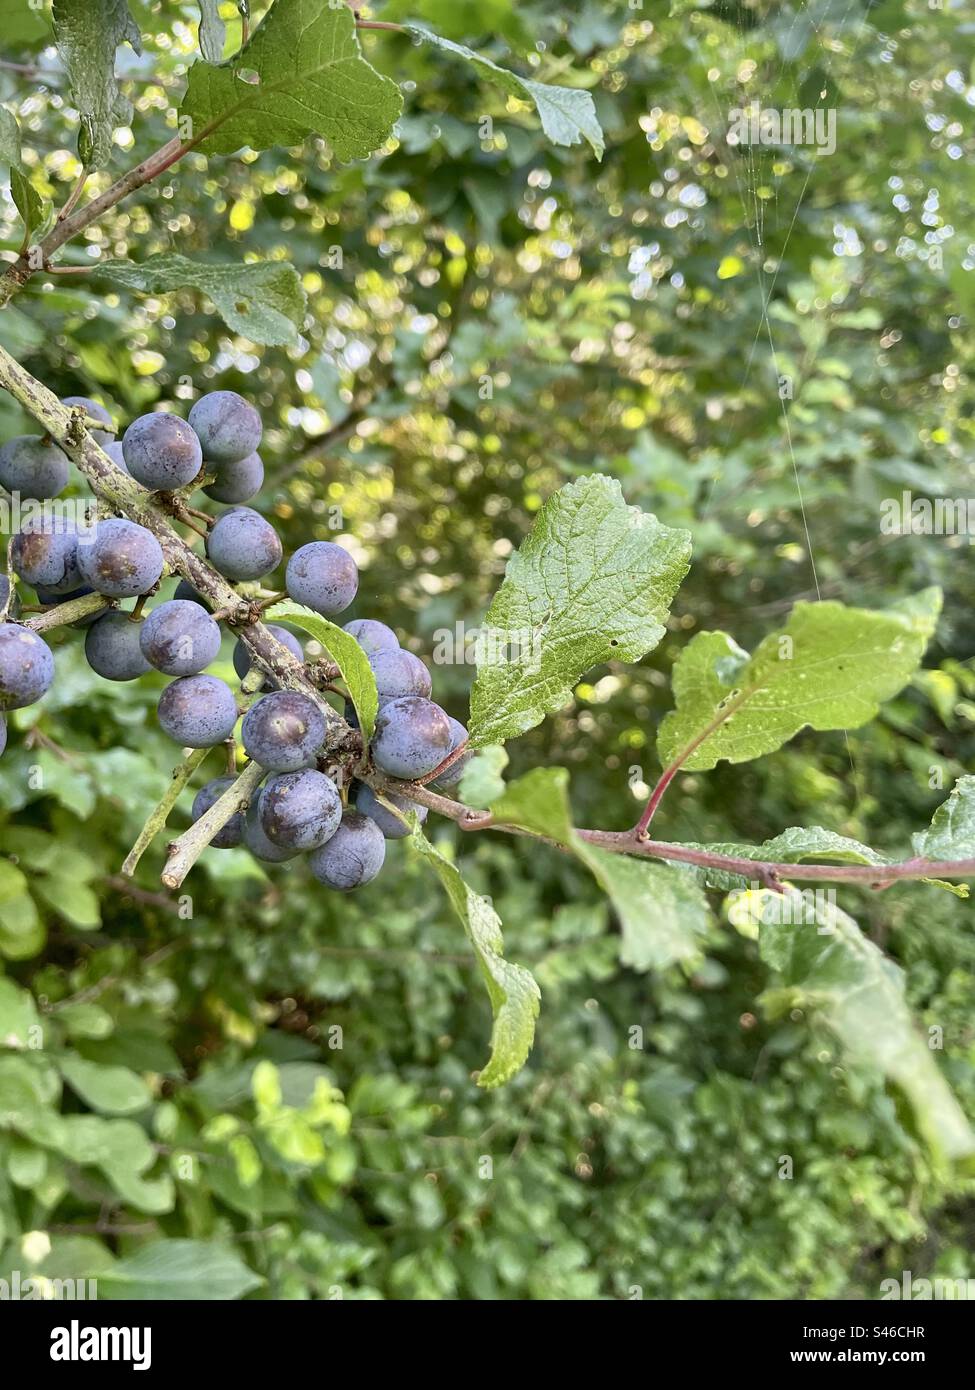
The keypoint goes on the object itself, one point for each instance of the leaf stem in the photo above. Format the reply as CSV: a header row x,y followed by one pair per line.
x,y
74,195
669,773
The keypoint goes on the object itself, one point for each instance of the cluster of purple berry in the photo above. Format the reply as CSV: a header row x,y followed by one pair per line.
x,y
298,808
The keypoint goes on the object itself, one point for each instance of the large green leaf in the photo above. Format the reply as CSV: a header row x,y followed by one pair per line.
x,y
179,1270
264,300
830,667
513,992
829,967
593,582
567,113
87,33
663,913
311,80
345,651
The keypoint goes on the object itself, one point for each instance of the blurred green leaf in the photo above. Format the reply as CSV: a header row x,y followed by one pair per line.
x,y
179,1269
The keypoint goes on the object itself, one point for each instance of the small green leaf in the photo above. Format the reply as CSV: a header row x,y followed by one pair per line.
x,y
311,79
110,1090
345,652
28,202
593,582
179,1269
829,668
513,992
13,884
120,1148
18,1016
87,34
85,1020
9,139
263,300
951,834
74,901
21,930
482,781
567,113
828,966
663,913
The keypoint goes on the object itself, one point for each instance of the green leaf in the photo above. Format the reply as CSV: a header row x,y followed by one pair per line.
x,y
663,913
28,202
592,582
74,901
263,300
567,114
110,1090
513,992
179,1270
951,834
18,1016
213,31
21,931
24,1094
828,966
345,652
312,80
87,34
9,139
120,1148
85,1020
70,785
13,884
21,23
482,782
830,667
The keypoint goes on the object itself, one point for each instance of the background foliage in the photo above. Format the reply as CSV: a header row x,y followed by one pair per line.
x,y
488,317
